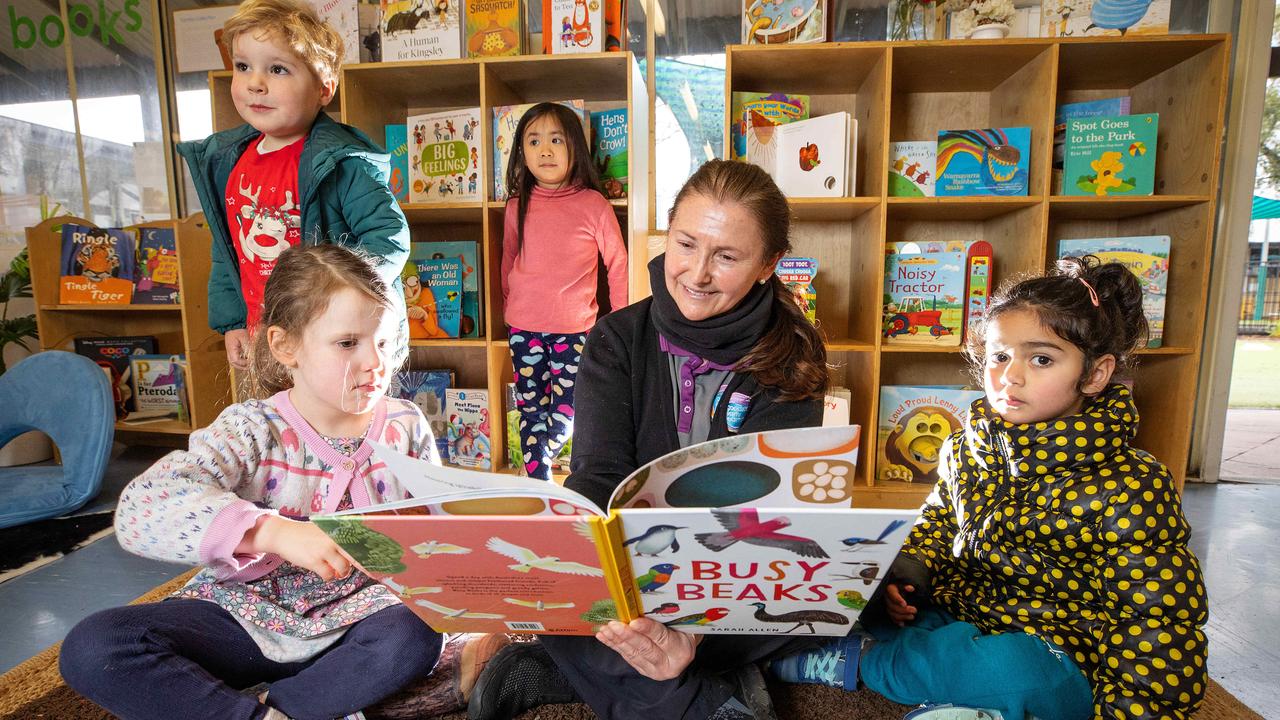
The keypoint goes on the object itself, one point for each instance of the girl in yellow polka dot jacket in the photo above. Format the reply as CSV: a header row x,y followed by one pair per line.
x,y
1049,574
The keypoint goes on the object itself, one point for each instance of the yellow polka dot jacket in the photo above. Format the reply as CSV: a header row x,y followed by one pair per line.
x,y
1063,530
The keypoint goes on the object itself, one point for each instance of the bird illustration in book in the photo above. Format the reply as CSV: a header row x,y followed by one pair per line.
x,y
851,599
801,618
706,617
867,574
458,613
435,547
857,543
1119,15
666,608
538,605
405,592
527,560
745,526
655,540
657,576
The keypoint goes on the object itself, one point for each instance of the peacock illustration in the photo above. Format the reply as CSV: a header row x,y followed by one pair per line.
x,y
375,552
801,618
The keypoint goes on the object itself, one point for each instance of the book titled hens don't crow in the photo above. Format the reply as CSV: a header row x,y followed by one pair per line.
x,y
752,533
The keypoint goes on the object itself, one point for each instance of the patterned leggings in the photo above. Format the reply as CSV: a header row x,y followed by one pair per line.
x,y
545,366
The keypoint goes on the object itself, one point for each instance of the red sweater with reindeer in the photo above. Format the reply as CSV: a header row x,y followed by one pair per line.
x,y
263,216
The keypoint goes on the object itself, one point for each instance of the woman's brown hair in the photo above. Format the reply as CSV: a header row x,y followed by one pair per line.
x,y
790,356
301,284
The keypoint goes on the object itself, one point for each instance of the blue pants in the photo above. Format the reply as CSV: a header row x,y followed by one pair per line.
x,y
189,658
938,659
546,365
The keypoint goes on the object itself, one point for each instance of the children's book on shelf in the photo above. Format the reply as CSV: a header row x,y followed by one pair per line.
x,y
799,274
157,268
468,428
762,145
1080,18
615,25
444,156
987,161
914,422
912,165
776,108
505,120
572,26
609,150
397,138
97,266
1147,257
420,30
493,28
426,389
471,322
159,385
817,157
433,297
113,354
1110,155
978,281
753,533
1093,108
341,15
770,22
924,293
835,406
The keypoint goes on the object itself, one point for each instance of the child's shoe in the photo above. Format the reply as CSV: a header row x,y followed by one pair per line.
x,y
952,712
834,664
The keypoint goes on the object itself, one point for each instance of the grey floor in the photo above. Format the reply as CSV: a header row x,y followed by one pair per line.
x,y
1237,528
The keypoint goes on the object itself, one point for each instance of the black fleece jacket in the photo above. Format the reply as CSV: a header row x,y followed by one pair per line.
x,y
623,414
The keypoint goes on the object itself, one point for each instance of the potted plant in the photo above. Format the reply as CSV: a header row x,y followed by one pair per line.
x,y
19,330
980,19
911,20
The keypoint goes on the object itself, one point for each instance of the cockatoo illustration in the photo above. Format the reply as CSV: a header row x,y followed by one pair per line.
x,y
527,560
538,604
461,613
405,592
435,547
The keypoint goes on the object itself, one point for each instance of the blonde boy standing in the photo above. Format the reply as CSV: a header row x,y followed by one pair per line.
x,y
290,175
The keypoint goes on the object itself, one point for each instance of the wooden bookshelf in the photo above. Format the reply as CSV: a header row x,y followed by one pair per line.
x,y
910,91
373,95
181,329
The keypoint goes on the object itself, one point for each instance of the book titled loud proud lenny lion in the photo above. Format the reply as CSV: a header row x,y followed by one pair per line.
x,y
751,533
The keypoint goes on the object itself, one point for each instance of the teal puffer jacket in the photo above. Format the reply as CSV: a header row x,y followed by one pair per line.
x,y
342,180
1063,530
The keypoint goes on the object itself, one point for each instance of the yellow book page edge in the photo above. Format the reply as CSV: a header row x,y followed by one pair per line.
x,y
617,561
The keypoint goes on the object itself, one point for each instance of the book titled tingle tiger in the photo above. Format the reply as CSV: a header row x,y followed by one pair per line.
x,y
752,533
97,266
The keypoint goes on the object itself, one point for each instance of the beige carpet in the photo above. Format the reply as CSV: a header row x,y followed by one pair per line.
x,y
34,691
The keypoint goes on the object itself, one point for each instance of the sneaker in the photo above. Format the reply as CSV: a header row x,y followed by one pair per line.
x,y
834,664
520,676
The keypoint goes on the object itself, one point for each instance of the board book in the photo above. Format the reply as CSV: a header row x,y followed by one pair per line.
x,y
1147,257
433,297
114,353
924,293
751,533
157,268
776,108
471,320
987,161
1092,108
914,422
1110,155
468,428
912,166
444,156
799,275
97,266
817,157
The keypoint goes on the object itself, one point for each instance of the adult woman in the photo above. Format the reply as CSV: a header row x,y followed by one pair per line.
x,y
720,348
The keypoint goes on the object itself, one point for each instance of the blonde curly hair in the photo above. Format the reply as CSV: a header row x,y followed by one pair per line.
x,y
297,25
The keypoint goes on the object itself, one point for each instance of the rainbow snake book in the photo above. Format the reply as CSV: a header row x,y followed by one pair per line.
x,y
751,533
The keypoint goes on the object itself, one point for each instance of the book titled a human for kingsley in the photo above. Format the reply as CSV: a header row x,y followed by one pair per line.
x,y
753,533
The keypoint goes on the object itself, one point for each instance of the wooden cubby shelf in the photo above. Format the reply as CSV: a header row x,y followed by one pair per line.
x,y
373,95
112,308
910,91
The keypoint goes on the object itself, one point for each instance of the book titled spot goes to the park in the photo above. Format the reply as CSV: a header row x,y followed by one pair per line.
x,y
757,533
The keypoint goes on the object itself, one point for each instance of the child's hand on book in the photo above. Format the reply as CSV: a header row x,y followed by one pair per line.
x,y
304,545
653,649
900,611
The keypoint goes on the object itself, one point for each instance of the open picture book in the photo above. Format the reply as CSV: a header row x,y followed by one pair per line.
x,y
753,533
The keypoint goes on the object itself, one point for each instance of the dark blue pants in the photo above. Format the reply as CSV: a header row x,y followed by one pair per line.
x,y
189,658
615,691
546,365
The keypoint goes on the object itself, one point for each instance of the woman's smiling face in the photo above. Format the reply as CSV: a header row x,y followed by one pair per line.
x,y
715,252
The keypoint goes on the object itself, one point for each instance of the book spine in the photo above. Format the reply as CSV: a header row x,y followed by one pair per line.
x,y
616,562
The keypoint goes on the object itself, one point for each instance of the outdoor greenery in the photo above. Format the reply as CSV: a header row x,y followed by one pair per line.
x,y
15,283
1254,373
1268,177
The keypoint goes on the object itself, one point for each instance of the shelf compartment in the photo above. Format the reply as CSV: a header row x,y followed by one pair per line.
x,y
860,87
438,213
380,94
1084,208
164,427
830,209
1163,386
851,369
113,308
1181,78
849,273
592,77
957,208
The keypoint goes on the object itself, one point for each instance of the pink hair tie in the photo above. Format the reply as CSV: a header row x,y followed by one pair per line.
x,y
1093,295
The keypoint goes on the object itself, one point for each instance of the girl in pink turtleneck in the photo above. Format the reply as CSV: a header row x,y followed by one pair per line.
x,y
557,224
